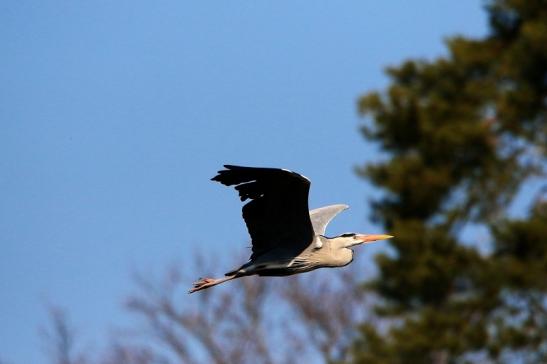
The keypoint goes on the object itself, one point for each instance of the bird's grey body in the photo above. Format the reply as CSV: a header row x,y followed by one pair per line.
x,y
287,238
320,252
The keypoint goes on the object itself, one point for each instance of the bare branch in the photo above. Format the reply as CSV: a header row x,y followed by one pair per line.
x,y
59,339
251,320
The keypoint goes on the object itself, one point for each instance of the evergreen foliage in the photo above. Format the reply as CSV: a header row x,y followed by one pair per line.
x,y
463,133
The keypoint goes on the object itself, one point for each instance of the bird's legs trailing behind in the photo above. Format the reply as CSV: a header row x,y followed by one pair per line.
x,y
204,283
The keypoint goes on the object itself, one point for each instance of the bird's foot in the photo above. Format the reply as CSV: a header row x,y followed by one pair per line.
x,y
203,283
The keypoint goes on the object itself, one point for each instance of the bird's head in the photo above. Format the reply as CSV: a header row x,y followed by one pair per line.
x,y
348,240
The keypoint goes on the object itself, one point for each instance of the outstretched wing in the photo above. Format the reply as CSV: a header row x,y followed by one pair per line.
x,y
277,216
321,217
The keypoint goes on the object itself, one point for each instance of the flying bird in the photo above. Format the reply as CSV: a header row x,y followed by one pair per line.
x,y
286,237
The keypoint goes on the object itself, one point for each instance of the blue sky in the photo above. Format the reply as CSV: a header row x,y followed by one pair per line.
x,y
115,114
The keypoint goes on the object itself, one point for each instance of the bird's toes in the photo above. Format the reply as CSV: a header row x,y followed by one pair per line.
x,y
201,284
202,281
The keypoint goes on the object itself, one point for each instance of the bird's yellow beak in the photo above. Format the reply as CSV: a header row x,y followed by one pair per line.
x,y
371,238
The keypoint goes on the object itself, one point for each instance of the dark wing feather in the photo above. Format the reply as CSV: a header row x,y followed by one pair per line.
x,y
277,216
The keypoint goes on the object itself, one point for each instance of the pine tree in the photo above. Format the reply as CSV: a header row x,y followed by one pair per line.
x,y
462,134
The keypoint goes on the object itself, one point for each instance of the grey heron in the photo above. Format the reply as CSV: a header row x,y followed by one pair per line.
x,y
286,237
